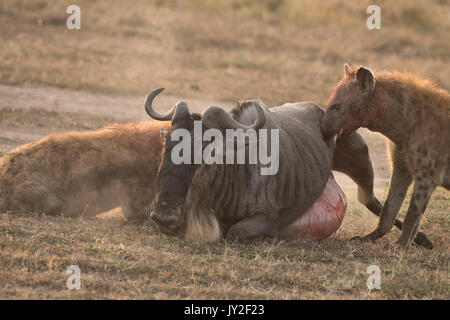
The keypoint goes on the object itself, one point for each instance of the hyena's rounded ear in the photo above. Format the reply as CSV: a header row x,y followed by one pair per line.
x,y
346,69
366,79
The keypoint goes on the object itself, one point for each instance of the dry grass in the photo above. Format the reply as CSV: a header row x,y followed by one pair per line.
x,y
50,119
121,262
273,50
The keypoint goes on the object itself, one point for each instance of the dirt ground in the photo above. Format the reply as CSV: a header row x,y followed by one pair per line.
x,y
207,52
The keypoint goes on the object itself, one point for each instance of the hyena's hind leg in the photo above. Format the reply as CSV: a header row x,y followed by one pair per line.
x,y
352,158
423,188
34,196
429,172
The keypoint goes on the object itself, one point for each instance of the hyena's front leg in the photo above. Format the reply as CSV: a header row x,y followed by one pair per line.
x,y
352,158
421,195
136,210
400,181
136,200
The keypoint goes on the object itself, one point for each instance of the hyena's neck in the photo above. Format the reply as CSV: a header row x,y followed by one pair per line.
x,y
389,114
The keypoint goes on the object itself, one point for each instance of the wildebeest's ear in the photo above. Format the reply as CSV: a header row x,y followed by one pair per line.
x,y
181,111
366,79
346,69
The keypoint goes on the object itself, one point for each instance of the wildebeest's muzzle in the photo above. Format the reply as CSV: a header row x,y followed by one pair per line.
x,y
169,219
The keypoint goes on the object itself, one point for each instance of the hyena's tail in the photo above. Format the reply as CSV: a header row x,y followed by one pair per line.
x,y
3,203
4,187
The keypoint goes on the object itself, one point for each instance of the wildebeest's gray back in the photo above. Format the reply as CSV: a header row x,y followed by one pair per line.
x,y
239,191
305,159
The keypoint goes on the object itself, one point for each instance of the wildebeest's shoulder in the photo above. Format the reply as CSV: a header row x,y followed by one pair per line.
x,y
303,115
307,110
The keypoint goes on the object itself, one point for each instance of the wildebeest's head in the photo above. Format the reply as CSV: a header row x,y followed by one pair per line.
x,y
346,109
173,181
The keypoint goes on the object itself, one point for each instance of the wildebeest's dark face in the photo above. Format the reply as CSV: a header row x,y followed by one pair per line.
x,y
173,180
346,109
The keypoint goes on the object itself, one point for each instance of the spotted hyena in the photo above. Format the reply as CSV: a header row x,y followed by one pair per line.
x,y
84,173
413,114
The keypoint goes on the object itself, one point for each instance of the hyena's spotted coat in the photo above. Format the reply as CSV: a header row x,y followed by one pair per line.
x,y
415,115
84,173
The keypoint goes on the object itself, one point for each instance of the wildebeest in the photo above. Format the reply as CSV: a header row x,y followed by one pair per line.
x,y
415,115
207,201
84,173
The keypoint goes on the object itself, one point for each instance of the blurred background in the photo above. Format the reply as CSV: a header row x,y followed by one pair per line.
x,y
273,50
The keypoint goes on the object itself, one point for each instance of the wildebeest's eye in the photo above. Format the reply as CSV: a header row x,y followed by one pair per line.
x,y
335,106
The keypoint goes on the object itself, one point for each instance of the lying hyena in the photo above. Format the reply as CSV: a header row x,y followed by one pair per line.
x,y
414,114
84,173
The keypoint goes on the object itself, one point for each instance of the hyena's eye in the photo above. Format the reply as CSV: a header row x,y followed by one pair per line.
x,y
335,106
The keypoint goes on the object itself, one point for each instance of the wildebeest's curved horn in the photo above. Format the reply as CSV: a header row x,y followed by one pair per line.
x,y
151,112
216,117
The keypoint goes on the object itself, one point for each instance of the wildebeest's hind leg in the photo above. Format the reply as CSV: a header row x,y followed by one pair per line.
x,y
258,225
352,158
